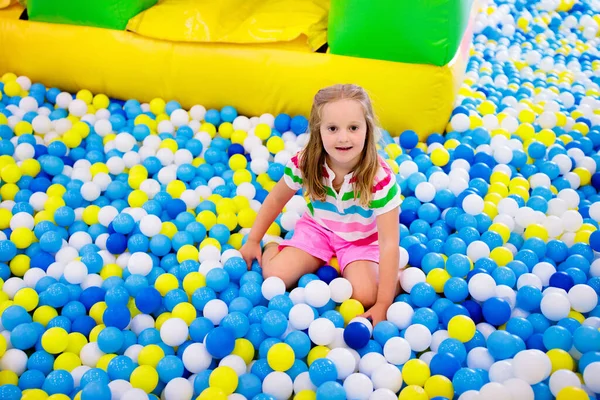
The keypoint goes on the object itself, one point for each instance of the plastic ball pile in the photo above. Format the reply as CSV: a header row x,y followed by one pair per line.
x,y
120,225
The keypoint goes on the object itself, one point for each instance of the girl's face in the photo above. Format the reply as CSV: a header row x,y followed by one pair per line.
x,y
343,132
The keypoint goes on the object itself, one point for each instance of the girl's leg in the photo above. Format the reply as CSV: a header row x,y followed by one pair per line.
x,y
364,277
289,264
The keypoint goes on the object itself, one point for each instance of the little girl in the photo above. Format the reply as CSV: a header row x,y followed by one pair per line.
x,y
353,208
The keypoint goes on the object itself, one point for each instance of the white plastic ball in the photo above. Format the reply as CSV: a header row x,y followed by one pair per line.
x,y
279,385
215,310
494,391
196,358
555,306
370,362
174,331
425,192
301,316
75,272
358,386
272,286
90,354
410,277
118,388
482,287
344,361
140,263
561,379
14,360
532,366
591,376
387,376
397,350
480,358
341,290
473,204
150,225
178,389
400,314
234,362
303,382
583,298
317,293
418,336
519,389
321,331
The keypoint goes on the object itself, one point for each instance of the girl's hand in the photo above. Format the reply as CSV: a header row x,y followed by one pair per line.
x,y
377,313
251,251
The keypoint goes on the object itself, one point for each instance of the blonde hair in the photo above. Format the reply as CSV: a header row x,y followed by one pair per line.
x,y
313,156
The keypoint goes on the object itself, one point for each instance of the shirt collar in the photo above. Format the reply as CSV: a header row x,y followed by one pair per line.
x,y
331,175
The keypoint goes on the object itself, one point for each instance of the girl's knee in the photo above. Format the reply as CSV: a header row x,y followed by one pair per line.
x,y
366,295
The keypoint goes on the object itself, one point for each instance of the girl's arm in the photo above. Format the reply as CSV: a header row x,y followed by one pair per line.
x,y
270,209
389,259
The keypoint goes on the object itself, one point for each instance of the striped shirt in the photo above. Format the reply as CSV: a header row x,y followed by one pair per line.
x,y
340,212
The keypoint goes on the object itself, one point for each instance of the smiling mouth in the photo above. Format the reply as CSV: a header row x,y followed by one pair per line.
x,y
343,148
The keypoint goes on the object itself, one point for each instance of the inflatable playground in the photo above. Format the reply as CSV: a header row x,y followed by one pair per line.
x,y
139,139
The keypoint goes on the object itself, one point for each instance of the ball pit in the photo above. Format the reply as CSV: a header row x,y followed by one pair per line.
x,y
121,224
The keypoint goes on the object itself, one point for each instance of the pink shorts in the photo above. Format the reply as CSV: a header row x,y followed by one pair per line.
x,y
322,243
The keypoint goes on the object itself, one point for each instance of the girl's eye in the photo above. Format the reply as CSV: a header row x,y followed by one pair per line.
x,y
332,129
354,128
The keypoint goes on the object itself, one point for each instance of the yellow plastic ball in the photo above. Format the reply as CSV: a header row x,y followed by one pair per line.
x,y
437,278
413,392
237,162
137,198
8,191
8,378
212,393
585,177
90,214
415,372
536,231
207,218
226,130
165,283
187,252
224,378
439,385
76,341
85,95
242,176
11,173
162,318
246,217
193,281
55,340
95,332
20,264
5,217
157,106
12,88
210,242
229,219
100,101
560,359
67,361
350,309
572,393
150,355
501,255
97,311
30,167
315,353
110,270
487,107
440,157
22,237
275,144
175,188
3,345
59,396
462,328
305,395
501,229
104,361
144,377
44,314
208,128
239,136
27,298
245,349
236,240
185,311
23,128
281,357
263,131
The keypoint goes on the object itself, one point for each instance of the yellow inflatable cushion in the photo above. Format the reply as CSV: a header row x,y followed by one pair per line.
x,y
235,21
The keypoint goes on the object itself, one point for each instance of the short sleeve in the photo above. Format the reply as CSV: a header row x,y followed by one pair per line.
x,y
292,174
386,191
